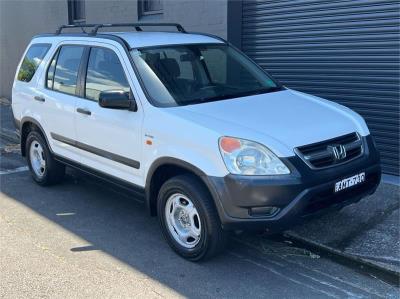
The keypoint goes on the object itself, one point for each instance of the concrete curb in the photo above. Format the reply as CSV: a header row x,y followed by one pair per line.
x,y
395,275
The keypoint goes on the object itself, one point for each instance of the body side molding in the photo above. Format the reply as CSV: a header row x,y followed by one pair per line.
x,y
97,151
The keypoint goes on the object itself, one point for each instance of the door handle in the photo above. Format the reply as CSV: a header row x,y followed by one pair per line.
x,y
39,98
83,111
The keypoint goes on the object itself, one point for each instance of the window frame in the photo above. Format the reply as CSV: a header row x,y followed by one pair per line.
x,y
48,45
142,12
85,66
79,74
72,20
46,78
82,70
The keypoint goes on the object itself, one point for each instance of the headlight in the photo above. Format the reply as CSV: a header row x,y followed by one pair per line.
x,y
249,158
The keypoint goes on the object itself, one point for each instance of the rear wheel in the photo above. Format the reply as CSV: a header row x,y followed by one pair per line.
x,y
189,220
44,169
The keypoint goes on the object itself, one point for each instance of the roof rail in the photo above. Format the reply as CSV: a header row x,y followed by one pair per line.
x,y
210,35
137,26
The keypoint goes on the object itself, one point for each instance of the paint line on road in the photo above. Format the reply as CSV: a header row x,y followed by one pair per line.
x,y
283,275
65,214
328,284
315,271
15,170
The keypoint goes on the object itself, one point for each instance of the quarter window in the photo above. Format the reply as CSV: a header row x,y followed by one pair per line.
x,y
66,70
104,73
31,61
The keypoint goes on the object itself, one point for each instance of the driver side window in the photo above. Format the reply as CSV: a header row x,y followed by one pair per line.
x,y
104,73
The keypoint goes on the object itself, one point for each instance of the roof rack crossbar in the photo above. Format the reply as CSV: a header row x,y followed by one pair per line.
x,y
82,26
137,26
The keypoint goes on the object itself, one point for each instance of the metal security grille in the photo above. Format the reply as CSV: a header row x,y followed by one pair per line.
x,y
343,50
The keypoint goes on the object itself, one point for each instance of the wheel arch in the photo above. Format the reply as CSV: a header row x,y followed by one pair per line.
x,y
165,168
28,124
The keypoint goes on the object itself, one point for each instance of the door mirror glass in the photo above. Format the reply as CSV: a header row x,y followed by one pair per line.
x,y
117,99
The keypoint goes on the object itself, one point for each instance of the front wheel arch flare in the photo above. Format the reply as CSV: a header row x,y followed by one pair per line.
x,y
162,170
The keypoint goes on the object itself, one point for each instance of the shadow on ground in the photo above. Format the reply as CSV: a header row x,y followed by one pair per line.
x,y
112,222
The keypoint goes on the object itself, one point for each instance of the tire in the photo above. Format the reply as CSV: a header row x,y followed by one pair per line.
x,y
187,190
45,171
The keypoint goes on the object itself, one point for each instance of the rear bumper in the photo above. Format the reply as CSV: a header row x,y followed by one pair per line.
x,y
245,202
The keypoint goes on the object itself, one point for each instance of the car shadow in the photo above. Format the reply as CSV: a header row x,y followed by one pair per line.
x,y
112,222
109,220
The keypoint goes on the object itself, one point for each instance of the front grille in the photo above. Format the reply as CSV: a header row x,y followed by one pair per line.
x,y
331,152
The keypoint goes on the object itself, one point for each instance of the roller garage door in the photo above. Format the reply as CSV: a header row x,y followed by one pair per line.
x,y
345,51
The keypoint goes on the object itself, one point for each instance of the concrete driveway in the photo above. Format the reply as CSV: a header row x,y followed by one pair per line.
x,y
84,238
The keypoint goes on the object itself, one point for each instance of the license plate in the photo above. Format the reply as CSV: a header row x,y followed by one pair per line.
x,y
350,182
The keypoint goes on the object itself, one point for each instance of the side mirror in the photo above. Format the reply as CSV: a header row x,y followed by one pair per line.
x,y
117,99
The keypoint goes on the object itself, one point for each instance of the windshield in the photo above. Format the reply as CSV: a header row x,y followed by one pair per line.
x,y
191,74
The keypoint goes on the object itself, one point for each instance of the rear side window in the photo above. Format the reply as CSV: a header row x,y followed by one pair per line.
x,y
31,61
62,74
104,73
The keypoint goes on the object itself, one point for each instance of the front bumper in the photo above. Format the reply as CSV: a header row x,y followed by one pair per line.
x,y
241,200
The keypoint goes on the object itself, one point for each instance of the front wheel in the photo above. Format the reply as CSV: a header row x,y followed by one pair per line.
x,y
189,219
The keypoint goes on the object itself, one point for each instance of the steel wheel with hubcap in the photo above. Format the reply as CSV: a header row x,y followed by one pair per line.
x,y
37,158
189,219
183,220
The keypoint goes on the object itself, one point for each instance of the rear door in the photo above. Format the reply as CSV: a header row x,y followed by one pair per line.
x,y
109,139
57,98
24,91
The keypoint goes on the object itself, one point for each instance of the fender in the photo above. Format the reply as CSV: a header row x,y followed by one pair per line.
x,y
167,161
172,161
185,165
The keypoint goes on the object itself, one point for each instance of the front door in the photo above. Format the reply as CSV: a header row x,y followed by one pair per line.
x,y
109,139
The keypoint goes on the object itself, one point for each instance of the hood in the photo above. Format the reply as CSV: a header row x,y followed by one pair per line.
x,y
280,120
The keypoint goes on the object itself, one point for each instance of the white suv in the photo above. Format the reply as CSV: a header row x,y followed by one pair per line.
x,y
208,140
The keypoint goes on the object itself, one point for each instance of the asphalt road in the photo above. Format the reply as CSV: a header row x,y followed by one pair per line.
x,y
84,238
